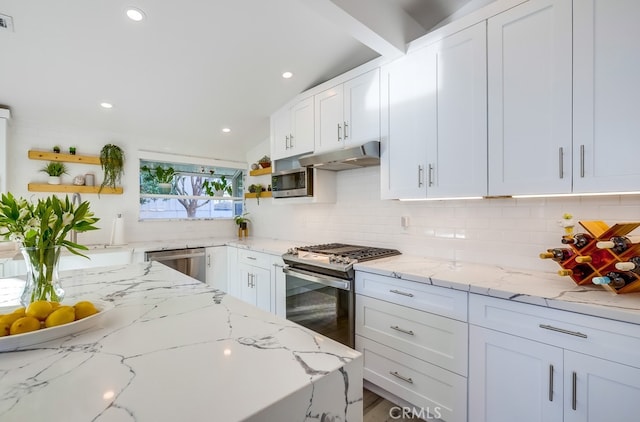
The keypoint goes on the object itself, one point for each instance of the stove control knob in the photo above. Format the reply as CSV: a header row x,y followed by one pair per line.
x,y
292,251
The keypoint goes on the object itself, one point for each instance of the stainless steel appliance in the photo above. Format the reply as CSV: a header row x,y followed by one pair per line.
x,y
364,155
320,287
292,183
189,261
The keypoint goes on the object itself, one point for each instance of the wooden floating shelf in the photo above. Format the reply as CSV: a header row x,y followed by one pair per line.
x,y
260,172
45,187
67,158
265,194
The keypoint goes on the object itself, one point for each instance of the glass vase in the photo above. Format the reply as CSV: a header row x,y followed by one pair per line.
x,y
43,282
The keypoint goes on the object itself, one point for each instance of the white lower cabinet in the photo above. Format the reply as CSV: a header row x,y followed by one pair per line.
x,y
217,267
280,287
255,286
412,350
529,363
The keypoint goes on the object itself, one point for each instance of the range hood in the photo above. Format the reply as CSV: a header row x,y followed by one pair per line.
x,y
365,155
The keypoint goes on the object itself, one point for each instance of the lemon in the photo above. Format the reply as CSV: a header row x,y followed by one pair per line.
x,y
24,325
84,309
4,329
20,311
10,318
62,315
55,305
39,309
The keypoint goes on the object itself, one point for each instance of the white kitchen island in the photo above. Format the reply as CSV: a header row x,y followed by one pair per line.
x,y
173,349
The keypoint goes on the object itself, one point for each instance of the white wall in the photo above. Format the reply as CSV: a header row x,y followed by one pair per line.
x,y
23,137
508,232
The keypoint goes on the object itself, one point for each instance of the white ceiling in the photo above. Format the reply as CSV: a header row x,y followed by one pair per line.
x,y
188,70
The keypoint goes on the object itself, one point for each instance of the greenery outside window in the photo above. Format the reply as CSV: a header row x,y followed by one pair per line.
x,y
189,188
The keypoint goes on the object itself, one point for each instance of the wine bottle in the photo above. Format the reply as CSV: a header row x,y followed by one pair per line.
x,y
557,254
578,273
632,265
618,244
614,279
579,240
598,258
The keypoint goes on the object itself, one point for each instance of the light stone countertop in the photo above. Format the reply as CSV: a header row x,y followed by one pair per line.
x,y
533,287
173,348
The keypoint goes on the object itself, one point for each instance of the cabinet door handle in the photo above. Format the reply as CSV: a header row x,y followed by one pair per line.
x,y
397,375
290,141
574,391
561,162
345,130
430,175
562,330
339,134
550,382
286,142
253,258
420,175
209,260
398,292
402,330
581,160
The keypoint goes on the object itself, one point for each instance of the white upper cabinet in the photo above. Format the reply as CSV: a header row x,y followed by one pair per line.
x,y
457,157
434,111
408,110
606,126
292,130
348,113
529,97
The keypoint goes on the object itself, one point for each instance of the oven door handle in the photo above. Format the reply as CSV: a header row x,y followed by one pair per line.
x,y
318,278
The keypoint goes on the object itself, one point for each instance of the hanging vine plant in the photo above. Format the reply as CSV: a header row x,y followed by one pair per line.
x,y
112,162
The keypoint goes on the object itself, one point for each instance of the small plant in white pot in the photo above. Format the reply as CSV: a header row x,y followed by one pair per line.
x,y
162,176
55,170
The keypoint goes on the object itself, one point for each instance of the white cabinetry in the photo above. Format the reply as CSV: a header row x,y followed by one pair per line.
x,y
414,340
529,86
606,56
217,267
280,287
349,113
434,117
292,130
254,281
530,363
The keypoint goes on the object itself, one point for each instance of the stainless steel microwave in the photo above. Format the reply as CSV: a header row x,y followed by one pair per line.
x,y
292,183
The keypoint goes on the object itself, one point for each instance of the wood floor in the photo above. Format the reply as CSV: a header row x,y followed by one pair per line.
x,y
377,409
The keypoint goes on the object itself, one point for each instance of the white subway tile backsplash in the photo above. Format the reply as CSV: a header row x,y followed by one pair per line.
x,y
502,231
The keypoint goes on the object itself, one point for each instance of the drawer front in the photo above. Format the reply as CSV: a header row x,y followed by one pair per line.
x,y
257,259
425,386
423,297
432,338
613,340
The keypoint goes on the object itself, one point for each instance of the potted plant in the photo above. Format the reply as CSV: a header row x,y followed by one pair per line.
x,y
265,162
56,149
221,186
55,170
242,222
257,189
72,150
112,162
162,176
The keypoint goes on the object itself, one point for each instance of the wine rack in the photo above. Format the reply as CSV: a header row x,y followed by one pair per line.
x,y
601,260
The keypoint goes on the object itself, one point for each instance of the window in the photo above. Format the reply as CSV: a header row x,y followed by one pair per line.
x,y
182,187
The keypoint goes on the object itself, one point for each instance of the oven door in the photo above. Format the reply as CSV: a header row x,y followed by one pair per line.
x,y
321,303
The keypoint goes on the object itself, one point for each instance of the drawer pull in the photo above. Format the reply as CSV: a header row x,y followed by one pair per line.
x,y
562,330
550,382
253,258
402,330
398,292
397,375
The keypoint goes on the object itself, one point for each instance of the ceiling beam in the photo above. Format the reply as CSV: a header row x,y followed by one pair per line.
x,y
381,25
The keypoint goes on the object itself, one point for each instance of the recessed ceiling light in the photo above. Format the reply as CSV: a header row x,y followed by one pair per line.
x,y
135,14
226,130
287,75
106,105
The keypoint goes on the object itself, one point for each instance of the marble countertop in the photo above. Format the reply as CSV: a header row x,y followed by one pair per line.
x,y
534,287
173,348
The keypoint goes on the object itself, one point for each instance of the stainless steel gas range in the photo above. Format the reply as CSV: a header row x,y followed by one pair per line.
x,y
320,286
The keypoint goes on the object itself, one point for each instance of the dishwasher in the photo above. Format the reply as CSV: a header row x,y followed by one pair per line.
x,y
189,261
